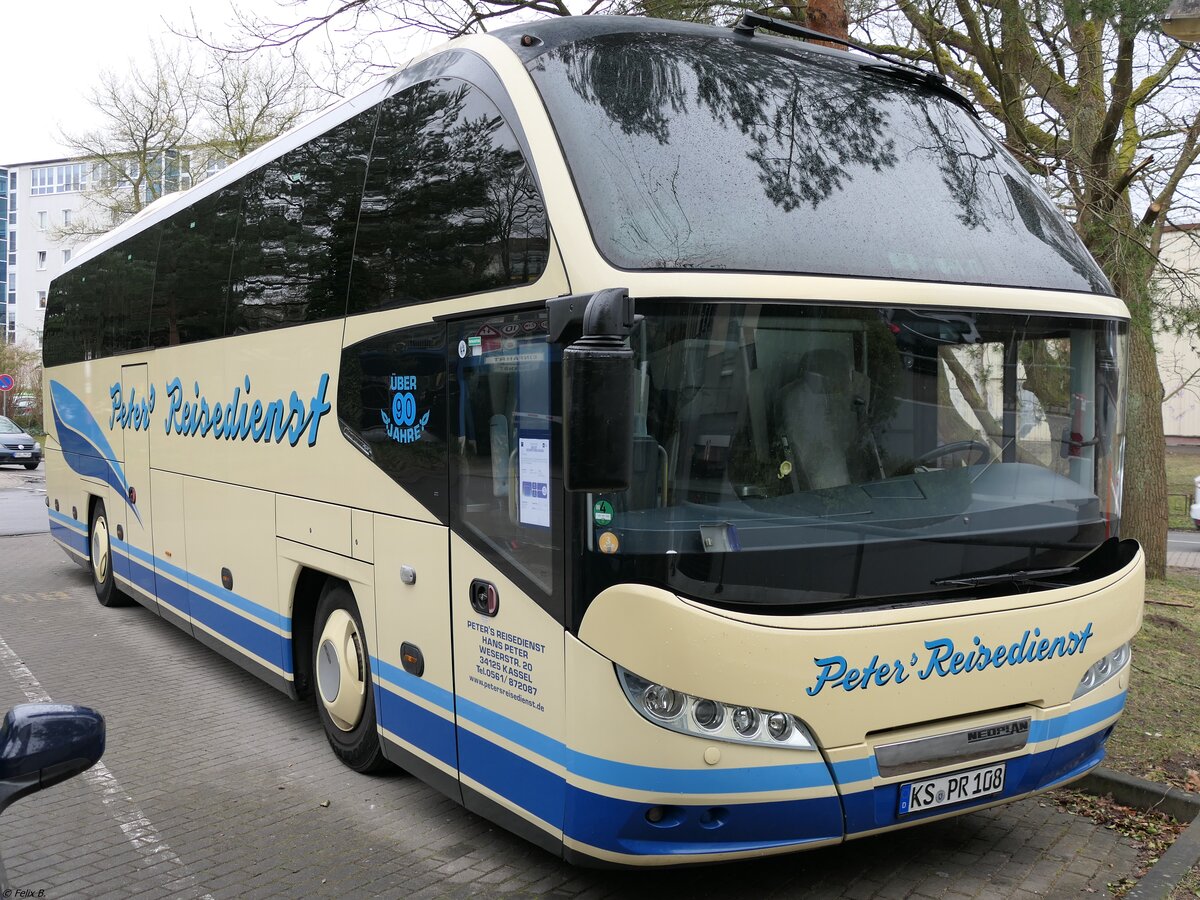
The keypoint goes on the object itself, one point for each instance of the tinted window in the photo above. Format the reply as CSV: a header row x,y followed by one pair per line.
x,y
392,401
691,152
449,207
118,284
67,336
296,231
193,271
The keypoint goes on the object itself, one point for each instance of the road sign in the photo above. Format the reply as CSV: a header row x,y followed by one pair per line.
x,y
6,382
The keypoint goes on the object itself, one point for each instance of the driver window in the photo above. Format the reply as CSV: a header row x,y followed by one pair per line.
x,y
502,443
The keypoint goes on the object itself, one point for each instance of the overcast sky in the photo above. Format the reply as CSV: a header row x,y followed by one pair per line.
x,y
54,50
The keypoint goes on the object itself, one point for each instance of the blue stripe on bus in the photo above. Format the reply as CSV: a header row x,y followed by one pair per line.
x,y
610,823
417,726
855,770
173,594
263,613
426,690
1049,729
72,539
514,777
247,635
258,610
607,771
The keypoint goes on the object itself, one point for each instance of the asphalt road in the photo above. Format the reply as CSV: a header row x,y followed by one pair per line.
x,y
214,784
22,500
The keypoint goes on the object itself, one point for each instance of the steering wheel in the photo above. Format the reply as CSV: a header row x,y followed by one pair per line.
x,y
984,451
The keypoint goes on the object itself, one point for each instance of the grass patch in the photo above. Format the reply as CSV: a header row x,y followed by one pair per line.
x,y
1189,887
1183,465
1158,736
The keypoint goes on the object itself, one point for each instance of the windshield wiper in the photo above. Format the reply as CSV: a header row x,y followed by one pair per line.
x,y
887,65
1025,575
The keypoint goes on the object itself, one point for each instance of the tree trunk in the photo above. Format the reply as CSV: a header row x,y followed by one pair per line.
x,y
828,17
1144,507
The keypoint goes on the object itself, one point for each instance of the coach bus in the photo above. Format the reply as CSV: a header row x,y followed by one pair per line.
x,y
673,443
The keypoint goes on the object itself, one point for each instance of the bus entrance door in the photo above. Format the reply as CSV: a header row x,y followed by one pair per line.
x,y
135,560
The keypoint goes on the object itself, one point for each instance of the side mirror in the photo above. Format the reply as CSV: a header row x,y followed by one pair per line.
x,y
42,744
598,397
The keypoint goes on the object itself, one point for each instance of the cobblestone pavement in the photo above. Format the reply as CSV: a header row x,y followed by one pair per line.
x,y
216,784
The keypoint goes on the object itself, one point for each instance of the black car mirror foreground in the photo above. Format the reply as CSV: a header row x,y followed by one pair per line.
x,y
42,744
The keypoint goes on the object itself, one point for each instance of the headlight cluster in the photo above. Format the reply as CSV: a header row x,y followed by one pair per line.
x,y
1103,670
712,719
37,447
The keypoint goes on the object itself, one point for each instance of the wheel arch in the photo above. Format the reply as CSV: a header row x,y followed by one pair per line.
x,y
304,572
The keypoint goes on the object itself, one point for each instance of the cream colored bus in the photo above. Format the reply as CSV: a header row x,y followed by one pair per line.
x,y
673,443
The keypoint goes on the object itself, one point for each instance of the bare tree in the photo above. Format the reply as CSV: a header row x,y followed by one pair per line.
x,y
246,102
1092,98
147,117
362,26
170,123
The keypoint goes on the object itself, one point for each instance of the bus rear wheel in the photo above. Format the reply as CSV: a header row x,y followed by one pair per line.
x,y
344,693
100,551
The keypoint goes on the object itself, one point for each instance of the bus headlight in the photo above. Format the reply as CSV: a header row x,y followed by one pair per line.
x,y
712,719
1102,670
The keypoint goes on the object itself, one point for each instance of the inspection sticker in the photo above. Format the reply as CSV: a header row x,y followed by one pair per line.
x,y
602,512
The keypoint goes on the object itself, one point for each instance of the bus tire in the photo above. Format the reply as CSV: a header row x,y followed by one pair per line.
x,y
100,559
343,690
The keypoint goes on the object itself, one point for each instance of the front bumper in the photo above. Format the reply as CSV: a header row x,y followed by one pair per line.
x,y
19,457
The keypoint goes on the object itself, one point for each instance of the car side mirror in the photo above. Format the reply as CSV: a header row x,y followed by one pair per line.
x,y
42,744
598,396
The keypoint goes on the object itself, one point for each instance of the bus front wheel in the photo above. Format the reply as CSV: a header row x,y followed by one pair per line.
x,y
342,668
100,551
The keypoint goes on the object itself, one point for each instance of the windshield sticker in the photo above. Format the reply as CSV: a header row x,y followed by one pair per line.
x,y
534,455
602,513
608,542
403,427
940,659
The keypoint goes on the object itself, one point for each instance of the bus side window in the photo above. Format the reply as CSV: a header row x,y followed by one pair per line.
x,y
123,281
504,458
392,397
295,235
450,206
192,279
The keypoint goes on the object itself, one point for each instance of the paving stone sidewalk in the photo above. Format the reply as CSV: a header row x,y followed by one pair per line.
x,y
217,784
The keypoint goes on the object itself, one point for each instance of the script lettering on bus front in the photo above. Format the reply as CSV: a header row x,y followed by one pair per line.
x,y
507,664
944,660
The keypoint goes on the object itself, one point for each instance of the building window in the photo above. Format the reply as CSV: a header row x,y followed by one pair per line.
x,y
63,179
41,260
41,299
66,256
43,220
66,217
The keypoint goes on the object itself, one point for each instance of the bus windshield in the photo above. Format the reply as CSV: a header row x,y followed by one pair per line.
x,y
787,453
691,152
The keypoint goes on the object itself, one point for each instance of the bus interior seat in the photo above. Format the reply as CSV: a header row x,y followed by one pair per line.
x,y
821,414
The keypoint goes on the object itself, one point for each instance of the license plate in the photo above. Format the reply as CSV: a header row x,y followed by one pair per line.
x,y
917,796
22,454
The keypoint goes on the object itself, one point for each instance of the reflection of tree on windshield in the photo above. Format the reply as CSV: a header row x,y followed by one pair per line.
x,y
698,150
808,134
449,207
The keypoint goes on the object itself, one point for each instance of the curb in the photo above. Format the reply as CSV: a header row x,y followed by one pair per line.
x,y
1138,793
